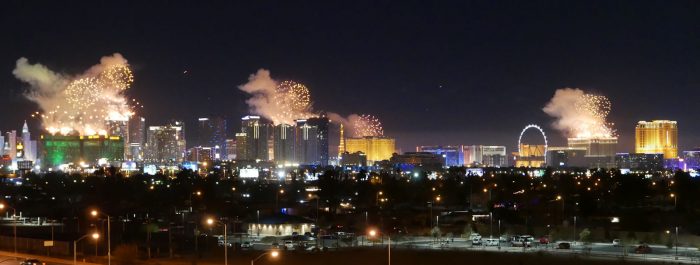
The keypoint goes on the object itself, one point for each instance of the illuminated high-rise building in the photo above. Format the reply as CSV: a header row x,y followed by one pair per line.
x,y
241,146
11,144
377,148
257,134
321,124
212,133
231,149
311,141
165,145
341,144
120,128
657,137
137,139
600,152
283,143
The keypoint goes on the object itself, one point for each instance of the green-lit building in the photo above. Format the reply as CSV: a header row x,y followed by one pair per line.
x,y
63,149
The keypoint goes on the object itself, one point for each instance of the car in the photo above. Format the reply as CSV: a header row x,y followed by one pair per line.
x,y
246,245
564,245
473,236
275,245
503,238
616,243
491,242
544,240
313,249
288,245
476,242
32,262
642,249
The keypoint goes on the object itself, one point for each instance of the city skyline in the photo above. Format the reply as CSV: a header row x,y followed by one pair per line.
x,y
446,101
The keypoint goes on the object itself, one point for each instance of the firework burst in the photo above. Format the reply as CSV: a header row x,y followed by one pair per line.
x,y
580,114
82,104
366,125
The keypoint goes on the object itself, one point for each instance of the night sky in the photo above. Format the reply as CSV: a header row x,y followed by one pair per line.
x,y
462,72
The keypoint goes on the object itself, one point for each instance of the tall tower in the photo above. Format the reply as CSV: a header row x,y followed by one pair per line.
x,y
341,145
657,137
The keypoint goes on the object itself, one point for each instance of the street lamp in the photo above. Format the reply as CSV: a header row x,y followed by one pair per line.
x,y
96,213
14,223
273,254
675,200
211,222
277,197
94,236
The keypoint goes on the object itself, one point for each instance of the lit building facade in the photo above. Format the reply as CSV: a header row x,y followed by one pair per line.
x,y
212,133
424,161
61,149
165,145
283,143
657,137
376,148
640,162
452,155
531,155
565,157
136,139
256,132
600,152
485,155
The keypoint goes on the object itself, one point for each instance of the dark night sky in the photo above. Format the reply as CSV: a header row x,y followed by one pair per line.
x,y
457,72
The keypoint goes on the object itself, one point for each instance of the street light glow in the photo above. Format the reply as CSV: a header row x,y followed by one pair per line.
x,y
274,253
210,221
372,233
95,235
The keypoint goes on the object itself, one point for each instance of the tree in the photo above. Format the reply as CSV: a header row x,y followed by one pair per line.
x,y
585,235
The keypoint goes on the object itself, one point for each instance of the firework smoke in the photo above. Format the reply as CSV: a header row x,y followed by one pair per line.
x,y
280,102
82,103
580,115
359,125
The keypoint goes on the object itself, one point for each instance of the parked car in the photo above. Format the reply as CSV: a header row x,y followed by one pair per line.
x,y
476,242
288,245
564,245
32,262
616,243
313,249
473,236
642,249
492,242
246,245
275,245
522,241
544,240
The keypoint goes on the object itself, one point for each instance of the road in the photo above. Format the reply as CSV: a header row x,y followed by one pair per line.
x,y
9,258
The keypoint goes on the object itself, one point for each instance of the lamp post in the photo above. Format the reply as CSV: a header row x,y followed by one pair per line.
x,y
273,254
94,236
211,221
373,233
96,213
491,222
277,197
675,201
676,243
14,223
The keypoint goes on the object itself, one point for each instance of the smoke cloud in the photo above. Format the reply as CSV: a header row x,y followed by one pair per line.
x,y
279,102
81,103
579,114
